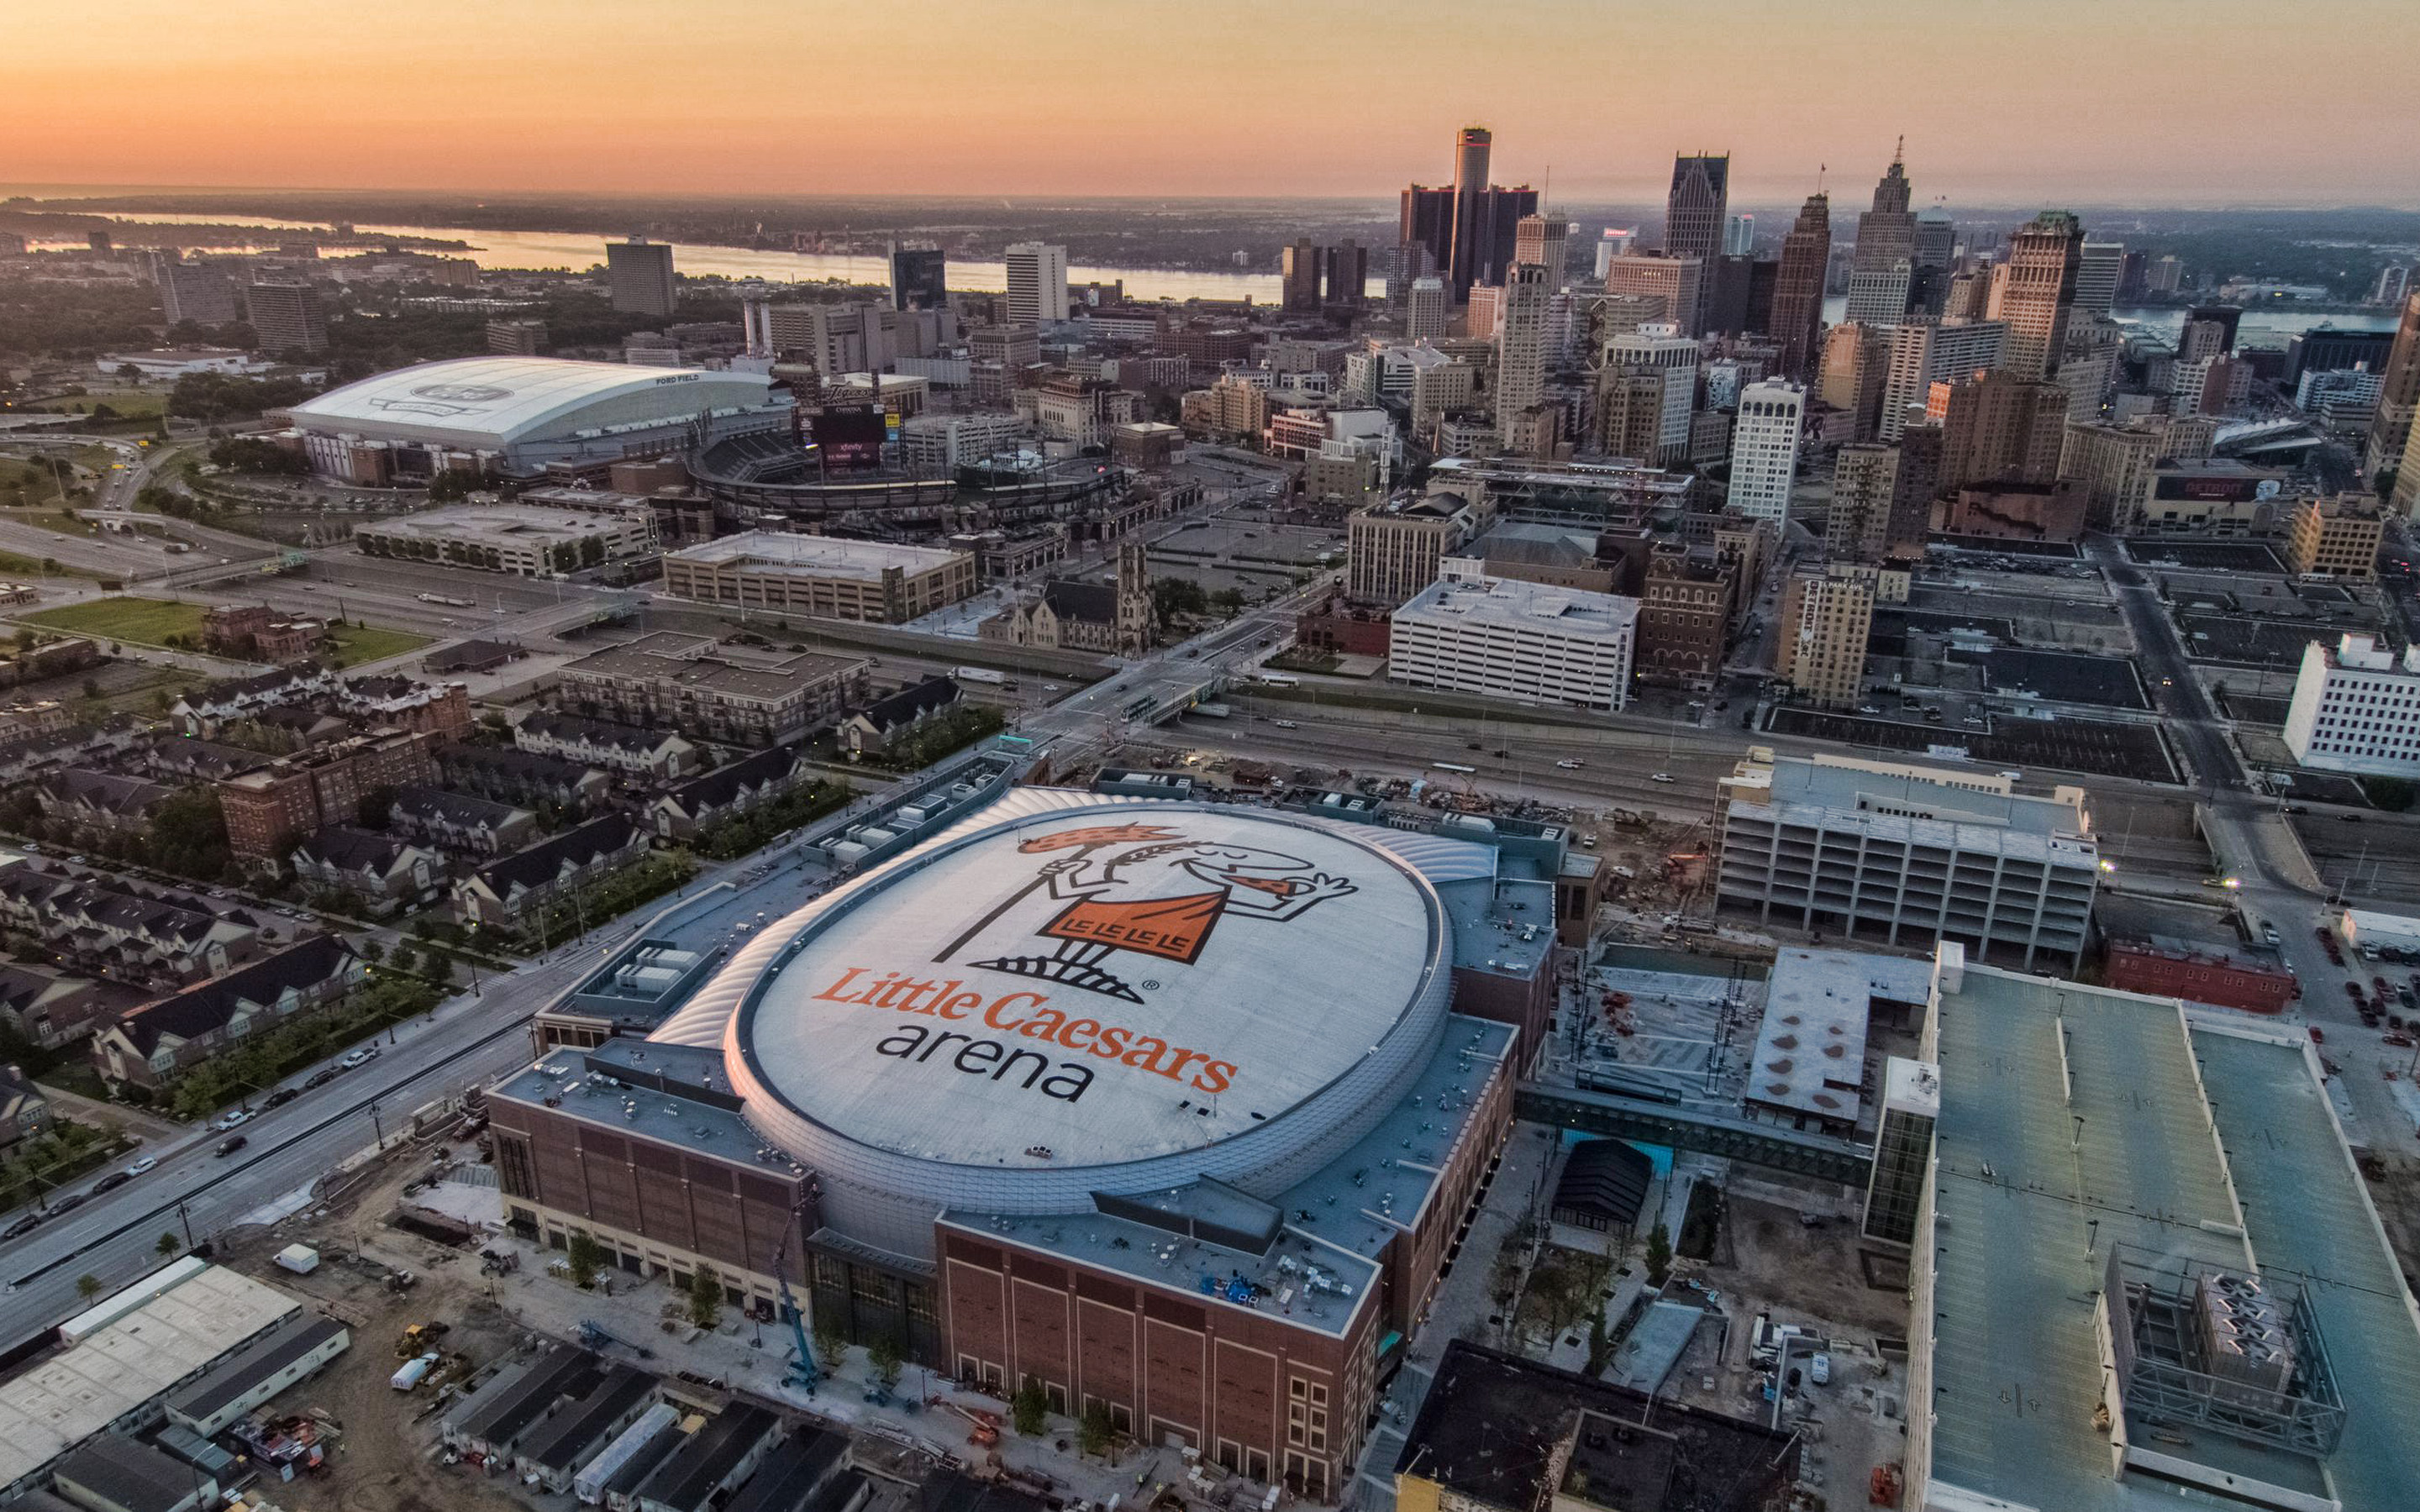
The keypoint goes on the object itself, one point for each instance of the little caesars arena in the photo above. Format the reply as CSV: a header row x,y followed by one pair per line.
x,y
1176,1108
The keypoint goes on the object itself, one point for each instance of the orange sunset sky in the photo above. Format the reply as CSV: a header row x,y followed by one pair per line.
x,y
2154,101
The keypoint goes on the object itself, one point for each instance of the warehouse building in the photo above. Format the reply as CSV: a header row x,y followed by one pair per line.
x,y
524,540
827,576
1517,640
126,1357
1186,1130
520,417
1907,855
2144,1218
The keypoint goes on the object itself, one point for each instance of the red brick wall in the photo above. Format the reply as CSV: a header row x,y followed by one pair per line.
x,y
2137,970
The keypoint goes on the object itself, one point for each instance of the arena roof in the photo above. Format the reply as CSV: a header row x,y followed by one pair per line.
x,y
495,401
1070,993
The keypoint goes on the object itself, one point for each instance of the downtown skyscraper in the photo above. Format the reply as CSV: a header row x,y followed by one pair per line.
x,y
1798,286
2036,292
1694,219
1470,228
1884,262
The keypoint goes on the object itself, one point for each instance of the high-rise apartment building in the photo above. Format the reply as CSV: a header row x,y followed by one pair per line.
x,y
1521,350
1543,241
1037,282
198,292
638,274
1827,614
1469,228
1661,349
1884,262
1925,352
1694,223
1676,281
1765,449
2038,292
1739,236
2398,396
1298,278
1798,286
1865,478
1427,309
920,278
2100,267
2356,708
1996,427
287,317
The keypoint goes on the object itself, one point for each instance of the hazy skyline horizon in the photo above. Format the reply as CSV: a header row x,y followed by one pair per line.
x,y
2064,102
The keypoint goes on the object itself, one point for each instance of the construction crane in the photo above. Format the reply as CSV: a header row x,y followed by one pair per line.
x,y
801,1375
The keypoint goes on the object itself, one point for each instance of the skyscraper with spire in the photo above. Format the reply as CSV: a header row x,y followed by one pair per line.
x,y
1798,286
1882,264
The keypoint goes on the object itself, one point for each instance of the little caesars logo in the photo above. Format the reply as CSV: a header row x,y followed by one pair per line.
x,y
1130,895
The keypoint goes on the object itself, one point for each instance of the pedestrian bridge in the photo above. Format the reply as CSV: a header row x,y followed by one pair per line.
x,y
1712,1134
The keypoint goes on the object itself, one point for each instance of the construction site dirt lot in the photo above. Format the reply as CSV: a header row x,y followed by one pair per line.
x,y
380,1463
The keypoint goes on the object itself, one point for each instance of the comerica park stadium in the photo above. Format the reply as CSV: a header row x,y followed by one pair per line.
x,y
1175,1108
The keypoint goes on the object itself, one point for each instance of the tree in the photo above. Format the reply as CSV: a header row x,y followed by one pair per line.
x,y
1093,1430
168,1244
370,950
1229,601
87,1287
704,1298
1030,1408
883,1358
401,958
587,1256
1600,1347
2392,794
829,1342
1659,1255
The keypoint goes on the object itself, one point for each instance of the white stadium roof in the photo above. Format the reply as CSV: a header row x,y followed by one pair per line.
x,y
1087,995
475,402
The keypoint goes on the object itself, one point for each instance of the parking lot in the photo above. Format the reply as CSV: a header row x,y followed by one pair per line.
x,y
2067,678
2092,746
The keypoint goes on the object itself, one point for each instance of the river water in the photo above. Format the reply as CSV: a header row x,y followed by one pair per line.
x,y
505,250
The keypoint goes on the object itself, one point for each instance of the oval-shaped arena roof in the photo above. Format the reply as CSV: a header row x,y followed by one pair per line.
x,y
478,402
1069,992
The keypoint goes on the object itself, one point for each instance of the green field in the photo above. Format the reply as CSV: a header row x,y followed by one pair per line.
x,y
32,481
29,569
350,645
135,403
145,622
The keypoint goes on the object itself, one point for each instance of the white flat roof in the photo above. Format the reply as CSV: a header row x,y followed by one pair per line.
x,y
1811,1050
817,556
1515,604
493,401
65,1400
526,524
1146,966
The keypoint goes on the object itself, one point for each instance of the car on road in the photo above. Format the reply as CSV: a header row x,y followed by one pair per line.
x,y
1568,764
1050,687
1285,724
1661,776
2318,1036
70,1203
280,1098
358,1057
229,1147
2268,933
231,1118
23,1227
142,1166
320,1078
109,1182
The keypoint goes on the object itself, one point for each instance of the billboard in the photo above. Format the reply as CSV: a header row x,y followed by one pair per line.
x,y
850,439
2232,487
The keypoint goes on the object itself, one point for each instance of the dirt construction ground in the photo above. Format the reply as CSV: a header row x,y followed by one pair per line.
x,y
380,1462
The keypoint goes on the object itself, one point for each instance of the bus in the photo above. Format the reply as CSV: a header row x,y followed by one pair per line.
x,y
1275,679
1452,766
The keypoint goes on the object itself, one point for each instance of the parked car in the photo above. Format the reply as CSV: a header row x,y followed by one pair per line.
x,y
21,1227
320,1078
109,1182
142,1166
1819,1370
231,1118
1660,777
229,1147
1568,764
358,1057
280,1098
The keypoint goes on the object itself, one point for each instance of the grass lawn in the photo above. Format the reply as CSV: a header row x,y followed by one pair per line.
x,y
353,645
30,481
29,569
146,621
